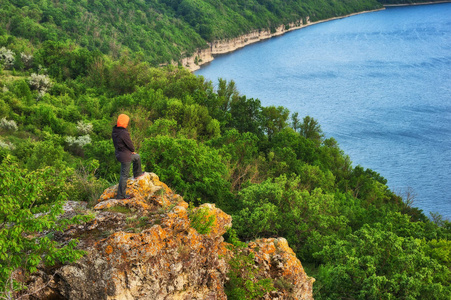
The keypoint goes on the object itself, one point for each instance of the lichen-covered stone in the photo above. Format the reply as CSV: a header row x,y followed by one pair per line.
x,y
151,251
277,260
222,220
144,191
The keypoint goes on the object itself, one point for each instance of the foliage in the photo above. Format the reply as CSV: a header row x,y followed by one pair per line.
x,y
280,208
83,185
84,128
8,124
80,141
30,204
374,263
188,166
40,82
243,278
201,219
274,119
310,129
6,57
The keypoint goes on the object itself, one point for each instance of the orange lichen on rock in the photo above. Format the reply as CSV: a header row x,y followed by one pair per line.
x,y
277,257
152,252
222,221
131,247
108,250
146,190
176,219
130,203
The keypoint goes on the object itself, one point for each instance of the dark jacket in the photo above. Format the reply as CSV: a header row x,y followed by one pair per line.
x,y
122,144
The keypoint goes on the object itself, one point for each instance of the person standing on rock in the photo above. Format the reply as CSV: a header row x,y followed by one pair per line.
x,y
125,154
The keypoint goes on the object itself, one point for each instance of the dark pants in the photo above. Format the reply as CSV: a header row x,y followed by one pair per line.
x,y
125,171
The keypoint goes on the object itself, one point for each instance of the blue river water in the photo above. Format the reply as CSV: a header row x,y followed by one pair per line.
x,y
379,83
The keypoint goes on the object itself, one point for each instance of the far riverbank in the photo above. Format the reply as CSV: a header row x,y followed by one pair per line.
x,y
204,56
419,3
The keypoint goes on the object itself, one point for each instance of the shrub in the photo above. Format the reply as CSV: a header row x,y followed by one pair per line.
x,y
22,90
8,124
40,82
23,246
6,145
44,153
6,57
83,184
373,263
201,220
79,142
27,60
84,128
244,282
190,167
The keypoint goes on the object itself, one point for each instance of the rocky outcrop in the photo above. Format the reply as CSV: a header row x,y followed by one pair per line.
x,y
277,260
146,248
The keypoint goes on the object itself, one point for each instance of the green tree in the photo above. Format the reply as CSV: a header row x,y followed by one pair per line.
x,y
311,129
241,151
23,244
191,168
227,92
374,263
246,115
274,119
295,121
278,207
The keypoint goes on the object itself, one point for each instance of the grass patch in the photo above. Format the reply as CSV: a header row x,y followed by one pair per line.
x,y
120,209
201,220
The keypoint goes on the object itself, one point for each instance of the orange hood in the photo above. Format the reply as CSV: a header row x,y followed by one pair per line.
x,y
122,120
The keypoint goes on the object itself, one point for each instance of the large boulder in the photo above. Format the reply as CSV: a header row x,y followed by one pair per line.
x,y
146,248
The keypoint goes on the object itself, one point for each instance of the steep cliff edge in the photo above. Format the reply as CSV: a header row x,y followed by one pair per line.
x,y
146,248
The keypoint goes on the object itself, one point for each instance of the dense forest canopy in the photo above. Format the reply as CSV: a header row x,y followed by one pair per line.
x,y
68,69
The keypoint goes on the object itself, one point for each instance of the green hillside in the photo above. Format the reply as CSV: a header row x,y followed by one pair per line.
x,y
157,31
68,69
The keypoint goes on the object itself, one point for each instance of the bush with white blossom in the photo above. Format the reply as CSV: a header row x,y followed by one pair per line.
x,y
8,124
40,82
6,57
84,128
80,141
6,145
27,59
